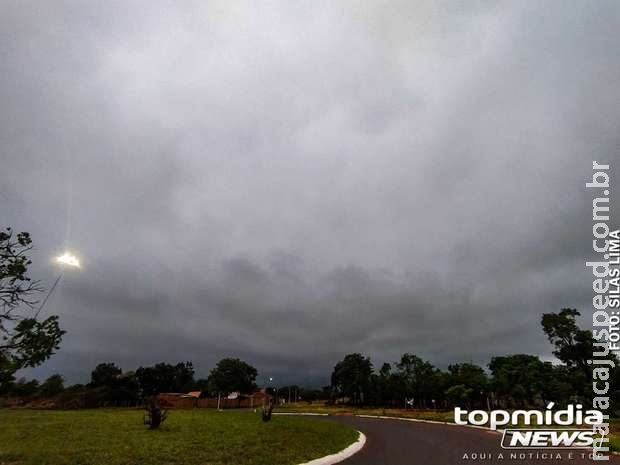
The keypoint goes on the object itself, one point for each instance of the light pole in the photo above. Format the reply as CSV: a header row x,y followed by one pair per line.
x,y
275,388
65,260
267,387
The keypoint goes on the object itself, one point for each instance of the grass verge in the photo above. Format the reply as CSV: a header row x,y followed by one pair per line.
x,y
188,437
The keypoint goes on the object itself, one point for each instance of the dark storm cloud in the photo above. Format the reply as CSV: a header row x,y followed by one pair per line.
x,y
292,183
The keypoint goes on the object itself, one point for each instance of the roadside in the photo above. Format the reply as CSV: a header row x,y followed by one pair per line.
x,y
443,416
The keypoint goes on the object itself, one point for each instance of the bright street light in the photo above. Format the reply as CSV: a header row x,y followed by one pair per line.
x,y
65,260
68,259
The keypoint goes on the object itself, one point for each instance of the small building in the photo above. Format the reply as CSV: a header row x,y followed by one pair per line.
x,y
195,399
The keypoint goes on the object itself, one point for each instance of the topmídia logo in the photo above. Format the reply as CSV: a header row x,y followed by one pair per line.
x,y
546,435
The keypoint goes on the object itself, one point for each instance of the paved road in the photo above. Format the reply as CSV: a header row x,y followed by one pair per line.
x,y
397,442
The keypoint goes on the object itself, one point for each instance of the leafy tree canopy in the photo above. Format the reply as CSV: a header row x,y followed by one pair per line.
x,y
351,376
164,377
52,386
232,374
104,374
25,341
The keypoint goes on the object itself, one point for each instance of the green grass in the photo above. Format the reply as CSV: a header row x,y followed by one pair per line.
x,y
188,437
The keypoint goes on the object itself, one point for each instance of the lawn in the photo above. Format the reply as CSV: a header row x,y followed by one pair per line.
x,y
188,437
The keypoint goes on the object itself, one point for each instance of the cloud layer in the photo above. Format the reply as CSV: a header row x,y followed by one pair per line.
x,y
290,182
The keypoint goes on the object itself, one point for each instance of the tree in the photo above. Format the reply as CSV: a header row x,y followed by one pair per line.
x,y
150,381
114,385
52,386
155,415
310,395
25,341
559,385
520,378
351,377
469,375
573,345
384,384
202,384
289,393
125,389
472,378
23,388
419,378
104,374
164,377
232,374
183,377
459,395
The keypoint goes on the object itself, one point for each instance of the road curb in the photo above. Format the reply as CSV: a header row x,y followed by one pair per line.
x,y
342,455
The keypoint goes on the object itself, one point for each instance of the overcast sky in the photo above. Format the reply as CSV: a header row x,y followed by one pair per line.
x,y
288,182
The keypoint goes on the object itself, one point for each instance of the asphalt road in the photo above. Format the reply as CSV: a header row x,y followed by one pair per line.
x,y
397,442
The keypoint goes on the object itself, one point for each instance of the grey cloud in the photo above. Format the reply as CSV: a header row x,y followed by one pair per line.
x,y
291,183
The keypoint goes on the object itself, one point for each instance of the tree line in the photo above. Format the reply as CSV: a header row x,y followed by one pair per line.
x,y
511,381
110,385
